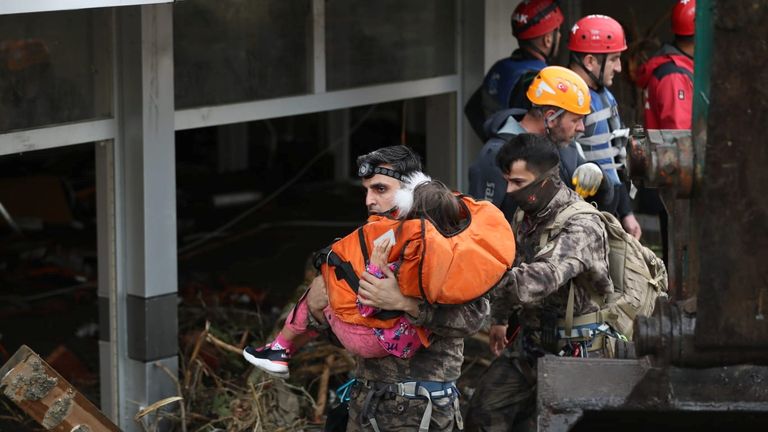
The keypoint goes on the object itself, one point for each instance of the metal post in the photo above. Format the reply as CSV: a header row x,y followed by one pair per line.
x,y
137,220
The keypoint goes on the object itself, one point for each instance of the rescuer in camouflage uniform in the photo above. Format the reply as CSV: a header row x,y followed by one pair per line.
x,y
386,397
535,291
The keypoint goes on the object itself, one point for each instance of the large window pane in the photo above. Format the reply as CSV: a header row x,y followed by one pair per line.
x,y
389,40
55,67
48,275
236,50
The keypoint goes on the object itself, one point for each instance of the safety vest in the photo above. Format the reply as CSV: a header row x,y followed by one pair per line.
x,y
502,79
440,268
604,138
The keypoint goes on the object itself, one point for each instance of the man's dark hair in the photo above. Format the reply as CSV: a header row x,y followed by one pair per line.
x,y
538,152
403,159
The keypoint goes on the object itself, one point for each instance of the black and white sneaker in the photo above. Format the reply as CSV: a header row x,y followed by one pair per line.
x,y
272,361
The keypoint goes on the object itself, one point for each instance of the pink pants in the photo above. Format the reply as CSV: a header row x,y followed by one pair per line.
x,y
357,339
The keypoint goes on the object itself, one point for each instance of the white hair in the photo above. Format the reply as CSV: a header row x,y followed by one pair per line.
x,y
404,195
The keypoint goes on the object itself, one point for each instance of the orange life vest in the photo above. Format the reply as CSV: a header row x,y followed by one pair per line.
x,y
441,269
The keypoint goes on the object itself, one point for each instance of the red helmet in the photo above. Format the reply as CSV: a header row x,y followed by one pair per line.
x,y
683,16
534,18
597,34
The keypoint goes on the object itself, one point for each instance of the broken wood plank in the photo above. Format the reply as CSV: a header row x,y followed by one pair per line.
x,y
49,399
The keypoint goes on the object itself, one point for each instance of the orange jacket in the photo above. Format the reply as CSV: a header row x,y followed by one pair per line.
x,y
440,269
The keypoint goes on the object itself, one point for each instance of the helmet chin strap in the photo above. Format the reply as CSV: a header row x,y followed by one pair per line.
x,y
598,81
547,56
550,118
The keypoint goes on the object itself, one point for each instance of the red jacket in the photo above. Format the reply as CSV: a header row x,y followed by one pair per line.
x,y
667,78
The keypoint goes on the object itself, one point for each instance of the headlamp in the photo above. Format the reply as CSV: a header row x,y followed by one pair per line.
x,y
367,171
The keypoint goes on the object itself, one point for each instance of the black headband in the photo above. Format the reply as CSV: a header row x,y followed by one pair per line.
x,y
366,170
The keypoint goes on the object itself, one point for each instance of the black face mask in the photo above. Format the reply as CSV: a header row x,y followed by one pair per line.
x,y
533,198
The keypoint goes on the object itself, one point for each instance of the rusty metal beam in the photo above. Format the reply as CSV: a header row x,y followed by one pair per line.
x,y
571,388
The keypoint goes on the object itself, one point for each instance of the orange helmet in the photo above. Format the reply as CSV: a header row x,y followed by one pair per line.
x,y
560,87
683,17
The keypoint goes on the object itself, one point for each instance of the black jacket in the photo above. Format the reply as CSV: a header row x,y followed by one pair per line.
x,y
486,180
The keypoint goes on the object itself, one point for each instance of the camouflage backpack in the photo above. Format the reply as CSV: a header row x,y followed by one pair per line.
x,y
638,276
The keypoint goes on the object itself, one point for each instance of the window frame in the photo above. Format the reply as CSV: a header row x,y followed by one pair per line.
x,y
8,7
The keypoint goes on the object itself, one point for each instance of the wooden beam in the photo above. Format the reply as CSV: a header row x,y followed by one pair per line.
x,y
47,397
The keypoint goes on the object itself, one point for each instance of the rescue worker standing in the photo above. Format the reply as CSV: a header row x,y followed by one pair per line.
x,y
393,393
536,26
560,100
547,276
596,43
667,76
667,80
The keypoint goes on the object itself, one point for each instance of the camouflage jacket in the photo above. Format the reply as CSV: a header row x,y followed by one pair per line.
x,y
442,360
538,283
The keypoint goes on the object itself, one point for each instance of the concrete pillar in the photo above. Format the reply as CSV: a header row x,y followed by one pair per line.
x,y
136,189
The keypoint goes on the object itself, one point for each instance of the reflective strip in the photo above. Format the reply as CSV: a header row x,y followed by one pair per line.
x,y
609,152
597,116
621,133
579,149
425,419
596,139
609,166
374,424
604,137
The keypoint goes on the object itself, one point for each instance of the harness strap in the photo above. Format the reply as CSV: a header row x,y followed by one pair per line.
x,y
370,405
363,246
424,425
411,390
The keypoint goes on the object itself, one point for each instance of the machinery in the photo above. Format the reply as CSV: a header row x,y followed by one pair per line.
x,y
703,356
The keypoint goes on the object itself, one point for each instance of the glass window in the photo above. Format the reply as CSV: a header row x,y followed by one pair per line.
x,y
55,67
389,40
290,176
237,50
49,275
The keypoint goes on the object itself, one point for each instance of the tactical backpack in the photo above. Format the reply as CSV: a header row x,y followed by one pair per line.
x,y
638,276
